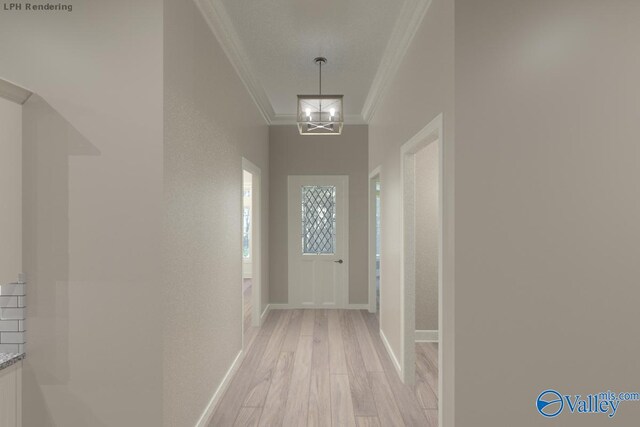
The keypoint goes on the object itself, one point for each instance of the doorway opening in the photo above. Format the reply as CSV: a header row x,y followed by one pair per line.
x,y
374,241
423,189
251,250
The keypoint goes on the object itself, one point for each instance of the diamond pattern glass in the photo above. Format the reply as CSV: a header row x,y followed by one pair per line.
x,y
318,219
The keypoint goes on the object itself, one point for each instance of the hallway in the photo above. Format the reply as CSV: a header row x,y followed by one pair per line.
x,y
324,368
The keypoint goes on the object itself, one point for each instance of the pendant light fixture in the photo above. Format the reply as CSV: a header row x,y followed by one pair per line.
x,y
320,114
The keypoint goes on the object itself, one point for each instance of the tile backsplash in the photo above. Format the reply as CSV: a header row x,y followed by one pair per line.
x,y
12,315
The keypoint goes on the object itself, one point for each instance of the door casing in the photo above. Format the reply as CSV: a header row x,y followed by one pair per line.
x,y
374,177
431,134
256,241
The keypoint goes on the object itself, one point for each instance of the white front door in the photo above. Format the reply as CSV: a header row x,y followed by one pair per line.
x,y
318,241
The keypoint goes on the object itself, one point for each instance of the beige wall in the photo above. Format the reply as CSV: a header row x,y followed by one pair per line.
x,y
210,123
427,235
294,154
419,92
92,155
10,190
547,173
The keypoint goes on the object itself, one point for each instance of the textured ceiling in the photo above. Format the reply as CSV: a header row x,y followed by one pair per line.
x,y
281,38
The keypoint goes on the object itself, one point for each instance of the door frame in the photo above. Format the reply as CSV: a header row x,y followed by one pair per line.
x,y
432,133
342,301
374,177
256,242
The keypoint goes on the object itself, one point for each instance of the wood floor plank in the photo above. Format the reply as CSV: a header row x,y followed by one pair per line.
x,y
431,350
337,361
308,320
230,403
341,403
426,366
361,394
425,394
276,401
432,417
270,322
248,417
293,333
410,409
388,411
257,392
369,354
297,408
320,388
367,422
426,386
250,334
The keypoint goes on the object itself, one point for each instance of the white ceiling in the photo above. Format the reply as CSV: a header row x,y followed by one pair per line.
x,y
281,38
272,44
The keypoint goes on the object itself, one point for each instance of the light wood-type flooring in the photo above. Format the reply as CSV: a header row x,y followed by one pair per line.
x,y
326,368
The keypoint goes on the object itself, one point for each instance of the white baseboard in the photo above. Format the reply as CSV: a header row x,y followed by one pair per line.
x,y
266,311
426,336
286,306
391,354
205,419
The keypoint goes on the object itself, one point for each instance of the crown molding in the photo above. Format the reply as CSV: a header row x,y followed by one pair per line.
x,y
290,119
13,92
220,24
409,20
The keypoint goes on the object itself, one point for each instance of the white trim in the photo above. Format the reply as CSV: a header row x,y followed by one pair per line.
x,y
206,416
374,177
220,24
391,354
431,133
409,20
13,92
265,312
247,268
285,306
256,240
19,407
290,119
294,182
426,335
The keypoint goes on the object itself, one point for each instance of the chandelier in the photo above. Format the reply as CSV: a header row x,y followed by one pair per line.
x,y
320,114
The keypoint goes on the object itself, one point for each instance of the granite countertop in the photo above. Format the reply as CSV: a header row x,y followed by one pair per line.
x,y
8,359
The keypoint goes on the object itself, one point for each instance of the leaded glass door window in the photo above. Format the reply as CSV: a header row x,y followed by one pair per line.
x,y
318,210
